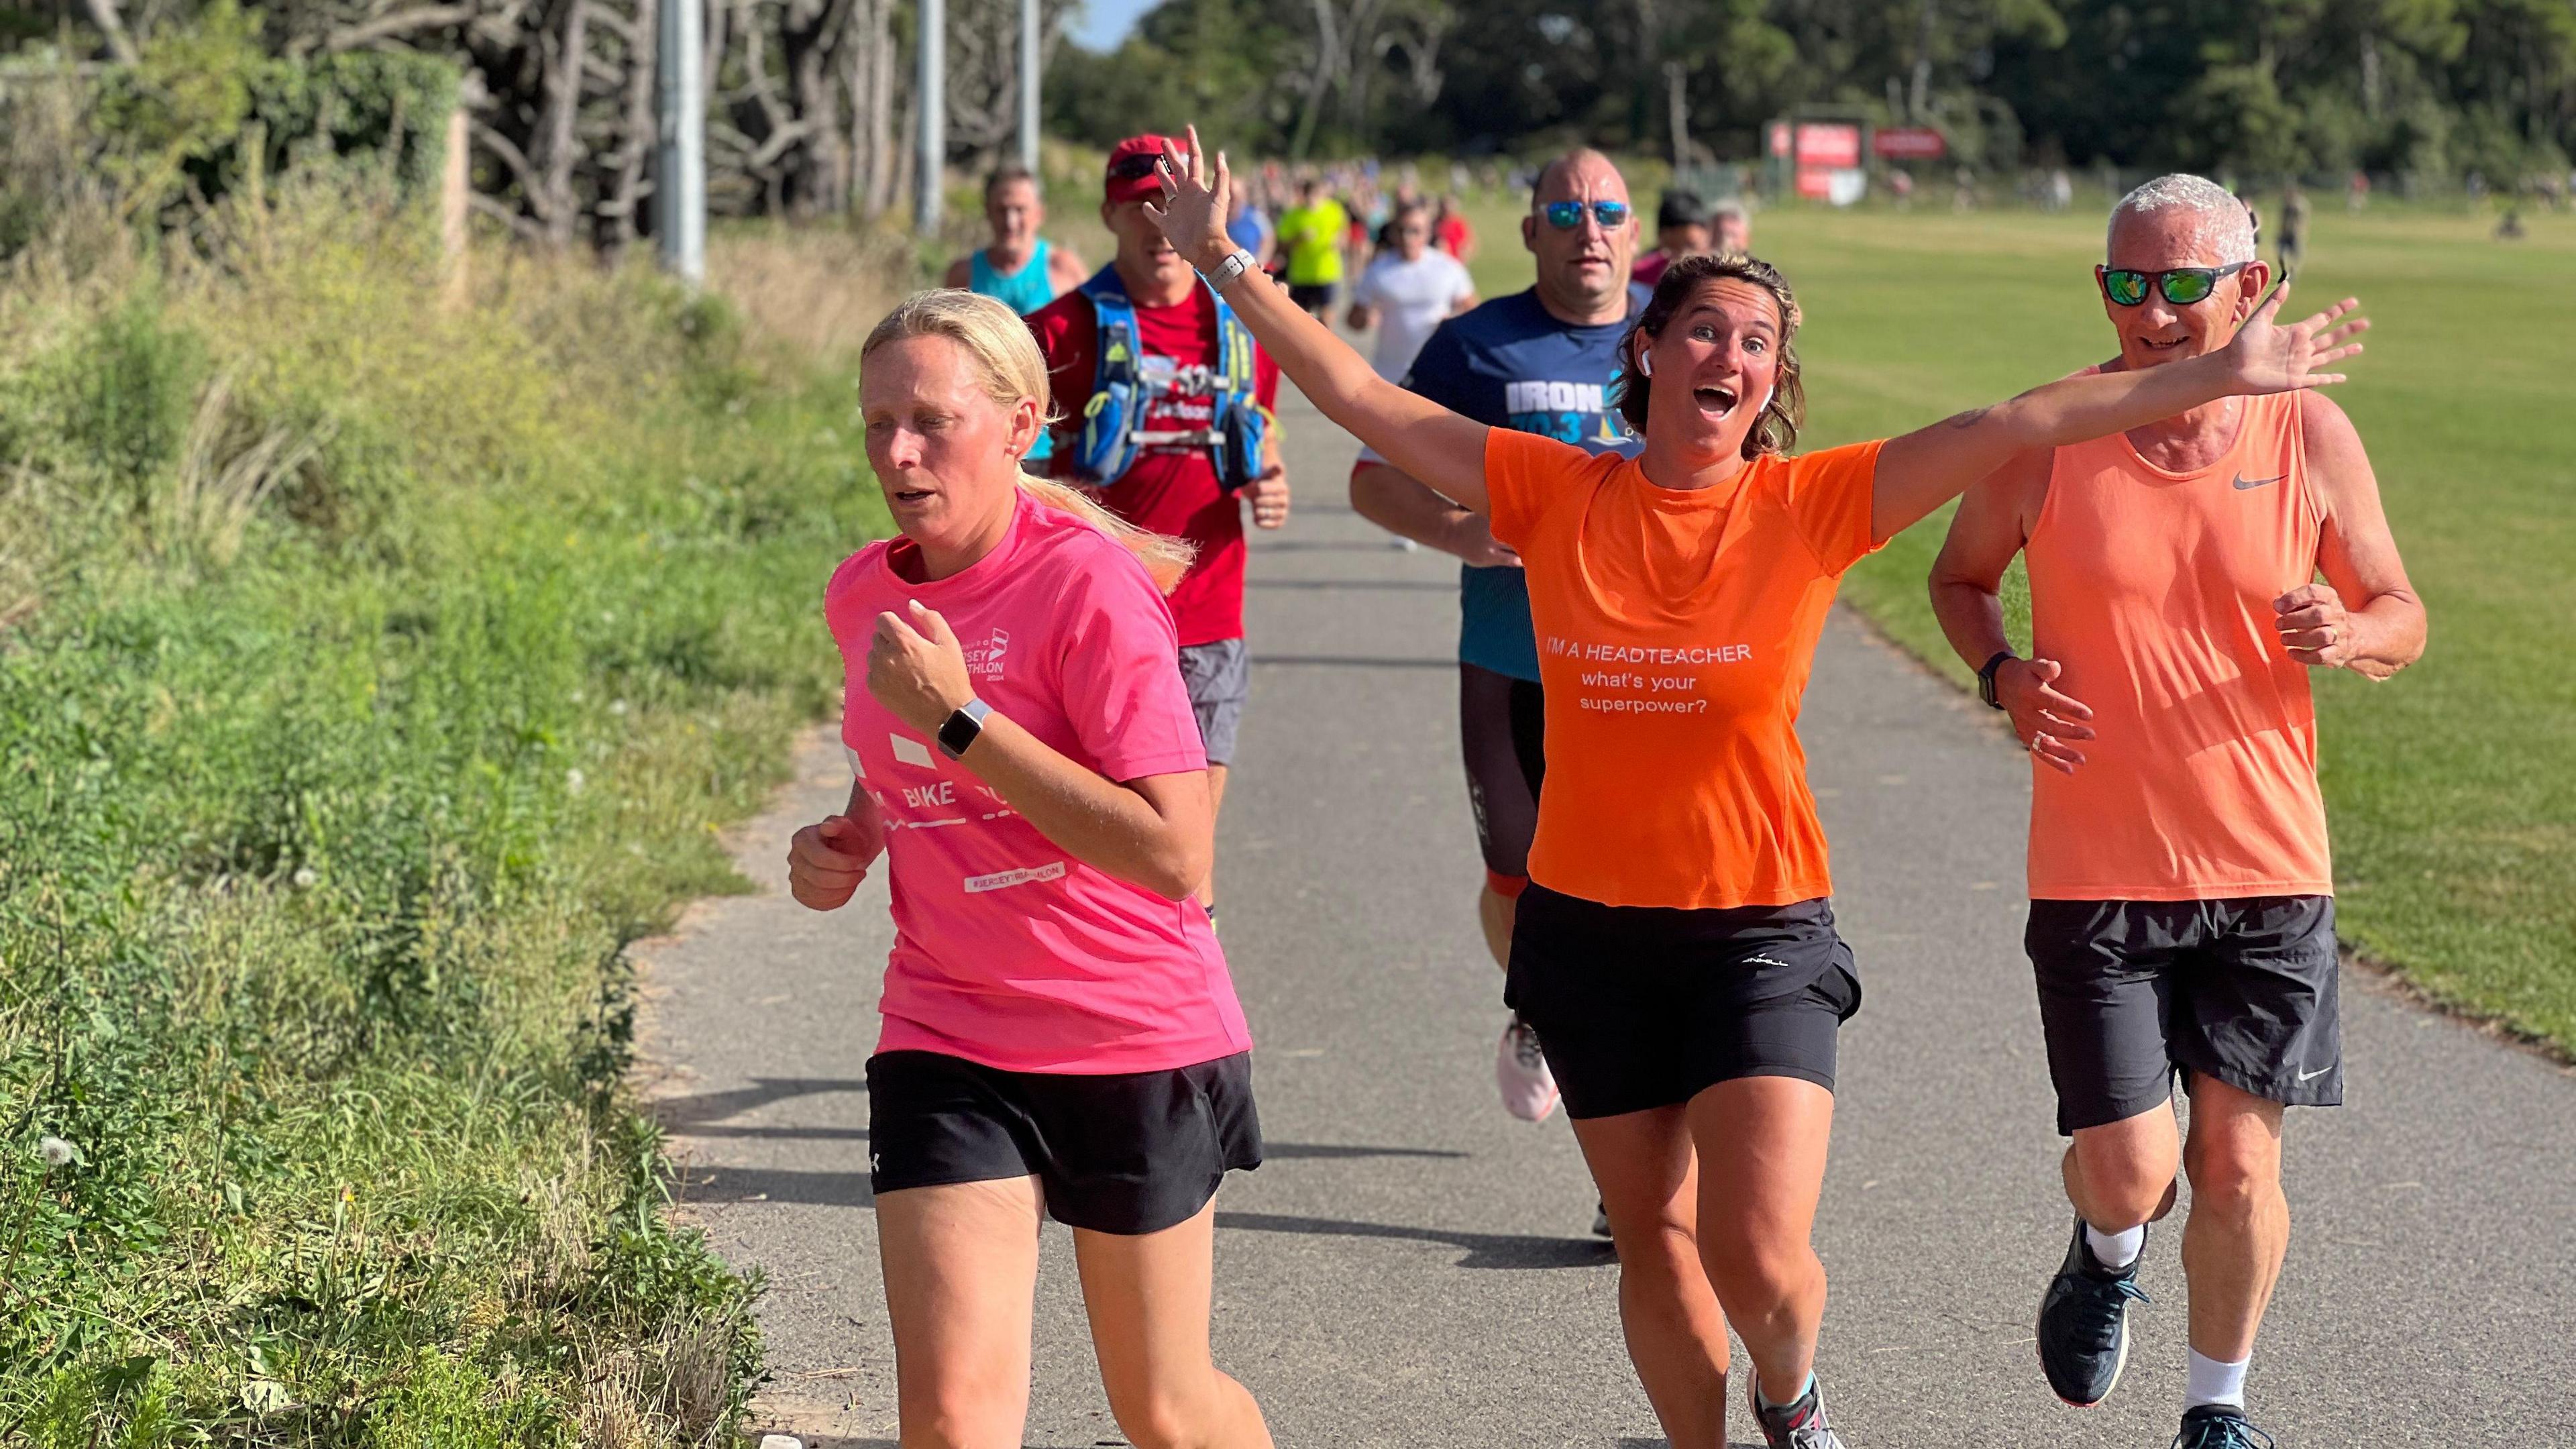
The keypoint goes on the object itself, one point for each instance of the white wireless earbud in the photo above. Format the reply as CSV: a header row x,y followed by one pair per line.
x,y
1645,364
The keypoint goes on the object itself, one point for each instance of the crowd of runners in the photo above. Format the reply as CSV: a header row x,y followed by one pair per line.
x,y
1047,673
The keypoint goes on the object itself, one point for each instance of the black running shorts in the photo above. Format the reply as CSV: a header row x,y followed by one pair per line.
x,y
1648,1006
1502,730
1125,1152
2131,992
1312,296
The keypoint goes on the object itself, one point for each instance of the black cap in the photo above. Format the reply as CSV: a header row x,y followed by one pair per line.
x,y
1681,208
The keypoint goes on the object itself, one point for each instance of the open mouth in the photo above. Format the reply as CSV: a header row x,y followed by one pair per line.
x,y
1715,399
914,495
2163,348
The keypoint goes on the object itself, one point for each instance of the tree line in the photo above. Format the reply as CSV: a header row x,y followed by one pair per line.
x,y
810,104
2433,88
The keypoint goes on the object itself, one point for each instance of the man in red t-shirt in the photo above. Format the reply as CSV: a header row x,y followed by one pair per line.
x,y
1171,488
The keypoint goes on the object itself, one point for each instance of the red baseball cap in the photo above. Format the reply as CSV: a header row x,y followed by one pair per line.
x,y
1131,166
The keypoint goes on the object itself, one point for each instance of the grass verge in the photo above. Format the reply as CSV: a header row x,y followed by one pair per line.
x,y
379,668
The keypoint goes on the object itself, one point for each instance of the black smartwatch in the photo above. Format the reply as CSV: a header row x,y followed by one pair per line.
x,y
963,728
1985,679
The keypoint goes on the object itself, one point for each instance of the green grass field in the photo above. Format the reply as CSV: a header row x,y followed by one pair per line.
x,y
2453,787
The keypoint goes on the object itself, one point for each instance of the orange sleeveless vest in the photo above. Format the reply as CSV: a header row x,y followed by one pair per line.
x,y
2155,590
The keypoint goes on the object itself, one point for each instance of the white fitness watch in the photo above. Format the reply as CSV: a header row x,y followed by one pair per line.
x,y
1230,269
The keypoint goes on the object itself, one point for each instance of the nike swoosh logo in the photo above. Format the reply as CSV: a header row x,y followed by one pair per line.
x,y
2319,1072
2243,482
1762,961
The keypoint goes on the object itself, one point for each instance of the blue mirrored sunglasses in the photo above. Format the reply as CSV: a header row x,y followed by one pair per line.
x,y
1567,215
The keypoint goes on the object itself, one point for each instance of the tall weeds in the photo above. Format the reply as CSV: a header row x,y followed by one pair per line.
x,y
371,670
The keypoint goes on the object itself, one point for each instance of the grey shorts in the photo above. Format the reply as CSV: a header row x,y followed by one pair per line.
x,y
2131,992
1219,678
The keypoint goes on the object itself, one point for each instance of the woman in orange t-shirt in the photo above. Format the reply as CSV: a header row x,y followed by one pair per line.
x,y
1676,950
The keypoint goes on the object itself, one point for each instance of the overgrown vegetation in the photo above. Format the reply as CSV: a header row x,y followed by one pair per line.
x,y
377,662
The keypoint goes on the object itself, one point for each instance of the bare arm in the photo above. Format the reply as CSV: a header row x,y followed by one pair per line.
x,y
1992,524
960,272
2321,624
1386,497
1065,269
1930,466
1436,446
827,860
1158,832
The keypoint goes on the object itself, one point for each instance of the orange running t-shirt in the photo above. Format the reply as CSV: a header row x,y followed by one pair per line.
x,y
1675,633
2154,590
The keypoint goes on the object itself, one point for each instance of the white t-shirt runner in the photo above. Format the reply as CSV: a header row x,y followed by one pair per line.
x,y
1410,299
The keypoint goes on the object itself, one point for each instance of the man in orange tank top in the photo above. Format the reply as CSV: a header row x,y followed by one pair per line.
x,y
2182,897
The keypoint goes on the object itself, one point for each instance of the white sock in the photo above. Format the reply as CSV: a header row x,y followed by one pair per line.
x,y
2115,1250
2213,1382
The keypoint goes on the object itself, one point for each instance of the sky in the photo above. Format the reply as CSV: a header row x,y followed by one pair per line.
x,y
1104,23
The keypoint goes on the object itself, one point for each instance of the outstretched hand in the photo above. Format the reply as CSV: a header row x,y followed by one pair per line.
x,y
2269,357
1192,215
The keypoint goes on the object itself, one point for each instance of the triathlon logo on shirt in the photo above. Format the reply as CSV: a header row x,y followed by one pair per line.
x,y
985,660
1004,879
1570,412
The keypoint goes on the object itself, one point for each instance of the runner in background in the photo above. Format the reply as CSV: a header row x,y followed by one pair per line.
x,y
1676,949
2181,887
1450,229
1250,225
1182,440
1541,360
1310,237
1021,269
1682,227
2294,232
1733,229
1061,1037
1407,292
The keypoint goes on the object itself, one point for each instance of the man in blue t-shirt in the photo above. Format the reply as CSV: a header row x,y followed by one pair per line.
x,y
1541,361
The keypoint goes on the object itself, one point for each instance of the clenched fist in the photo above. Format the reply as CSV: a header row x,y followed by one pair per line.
x,y
827,860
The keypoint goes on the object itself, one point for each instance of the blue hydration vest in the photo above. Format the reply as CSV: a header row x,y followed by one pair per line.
x,y
1113,423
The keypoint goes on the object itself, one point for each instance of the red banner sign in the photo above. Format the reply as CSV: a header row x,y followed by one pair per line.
x,y
1828,143
1909,143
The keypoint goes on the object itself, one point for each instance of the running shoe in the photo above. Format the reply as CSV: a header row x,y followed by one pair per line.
x,y
1520,1069
1601,1220
2219,1426
2084,1324
1799,1425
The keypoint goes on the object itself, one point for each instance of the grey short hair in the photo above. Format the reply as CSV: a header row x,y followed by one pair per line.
x,y
2224,225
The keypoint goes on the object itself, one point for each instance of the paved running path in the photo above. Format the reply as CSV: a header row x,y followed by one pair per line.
x,y
1412,1266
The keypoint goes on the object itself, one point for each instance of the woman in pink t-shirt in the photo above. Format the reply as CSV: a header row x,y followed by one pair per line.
x,y
1060,1032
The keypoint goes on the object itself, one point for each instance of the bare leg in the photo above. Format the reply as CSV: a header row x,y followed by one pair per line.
x,y
1149,1297
961,1269
1762,1144
1649,1181
1496,912
2240,1221
2123,1173
1216,803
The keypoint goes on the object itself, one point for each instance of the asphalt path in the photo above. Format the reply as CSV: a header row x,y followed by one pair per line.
x,y
1413,1267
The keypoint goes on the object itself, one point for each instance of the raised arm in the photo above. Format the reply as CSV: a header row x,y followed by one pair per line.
x,y
1438,447
1930,466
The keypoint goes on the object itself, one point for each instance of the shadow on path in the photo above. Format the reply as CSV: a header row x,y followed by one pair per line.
x,y
1484,1250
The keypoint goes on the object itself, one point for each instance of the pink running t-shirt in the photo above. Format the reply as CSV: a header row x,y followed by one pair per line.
x,y
1008,951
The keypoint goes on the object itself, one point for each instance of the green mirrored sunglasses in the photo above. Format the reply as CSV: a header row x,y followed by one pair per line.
x,y
2181,286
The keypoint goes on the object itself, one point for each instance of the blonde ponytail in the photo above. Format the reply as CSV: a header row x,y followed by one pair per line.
x,y
1015,372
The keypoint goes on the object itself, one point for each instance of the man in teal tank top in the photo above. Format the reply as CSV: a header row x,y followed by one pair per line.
x,y
1021,268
